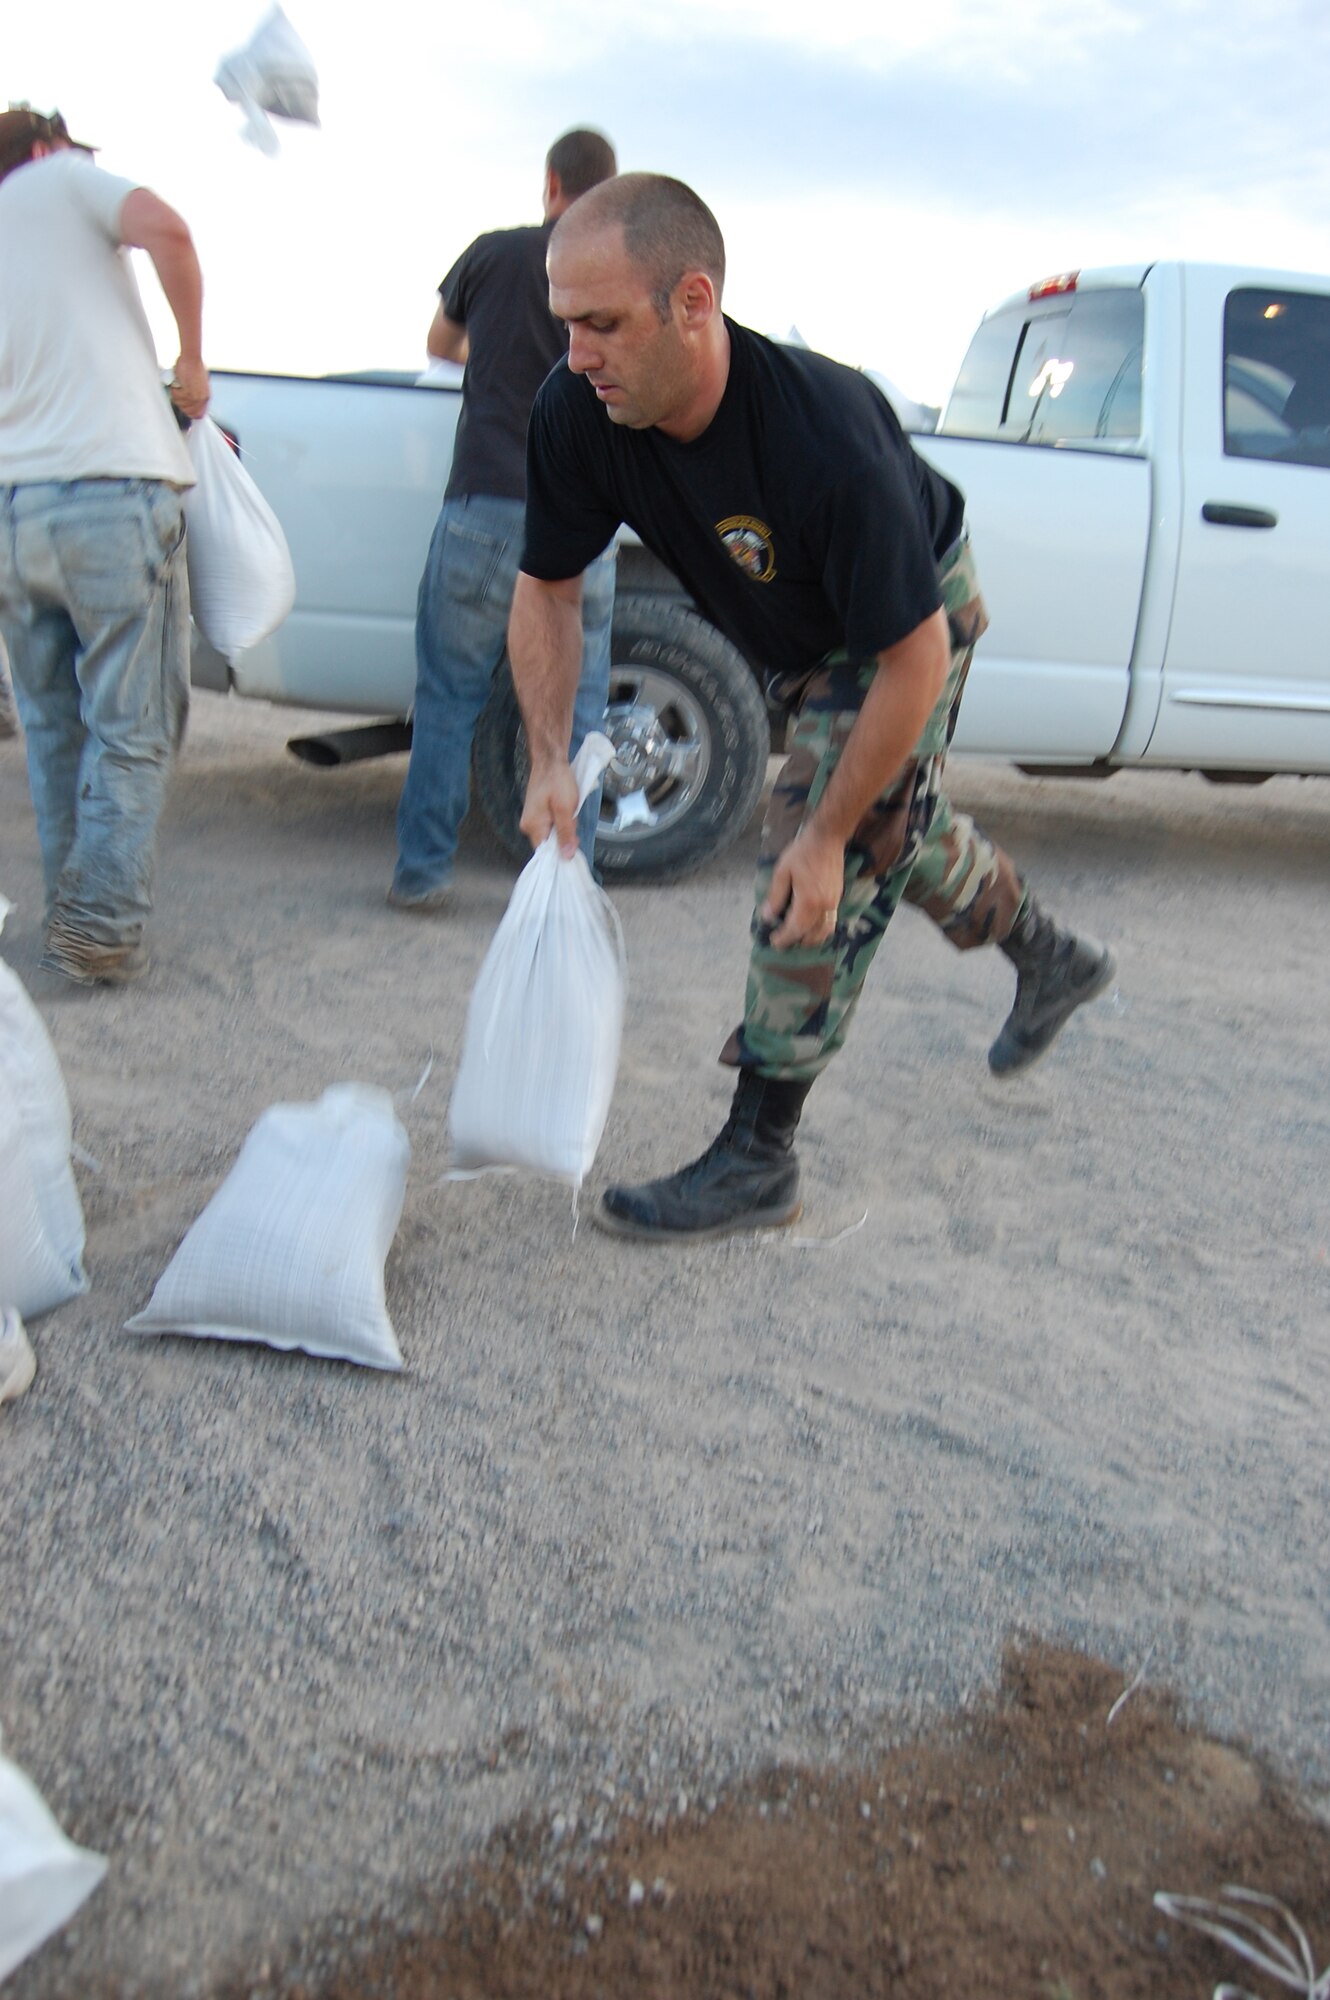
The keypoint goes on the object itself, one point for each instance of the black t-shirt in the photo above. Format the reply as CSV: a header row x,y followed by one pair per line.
x,y
498,291
801,520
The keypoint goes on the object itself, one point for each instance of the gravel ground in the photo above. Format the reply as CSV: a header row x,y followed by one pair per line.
x,y
287,1640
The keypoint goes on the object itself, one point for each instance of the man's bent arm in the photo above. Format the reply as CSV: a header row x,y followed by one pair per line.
x,y
545,648
146,223
810,875
447,338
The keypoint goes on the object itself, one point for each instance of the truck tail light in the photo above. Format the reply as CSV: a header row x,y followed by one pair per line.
x,y
1049,288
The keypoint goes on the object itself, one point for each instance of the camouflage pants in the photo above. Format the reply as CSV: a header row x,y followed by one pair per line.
x,y
909,847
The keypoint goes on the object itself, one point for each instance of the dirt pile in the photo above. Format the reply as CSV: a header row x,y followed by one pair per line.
x,y
1016,1851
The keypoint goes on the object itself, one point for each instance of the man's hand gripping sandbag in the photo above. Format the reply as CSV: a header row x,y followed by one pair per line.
x,y
545,1022
241,580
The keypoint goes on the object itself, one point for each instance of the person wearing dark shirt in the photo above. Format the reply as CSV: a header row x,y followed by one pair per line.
x,y
494,315
782,491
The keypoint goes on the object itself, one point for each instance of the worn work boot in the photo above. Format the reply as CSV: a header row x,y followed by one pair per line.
x,y
1056,972
89,962
430,903
748,1178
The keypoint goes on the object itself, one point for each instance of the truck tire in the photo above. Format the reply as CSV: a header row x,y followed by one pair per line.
x,y
691,736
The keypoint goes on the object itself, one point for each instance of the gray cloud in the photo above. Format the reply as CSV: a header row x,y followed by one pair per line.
x,y
1200,103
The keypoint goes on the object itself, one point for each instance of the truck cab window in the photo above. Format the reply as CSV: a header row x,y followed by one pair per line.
x,y
1055,371
1277,376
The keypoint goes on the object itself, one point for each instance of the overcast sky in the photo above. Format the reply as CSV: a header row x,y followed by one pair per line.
x,y
882,173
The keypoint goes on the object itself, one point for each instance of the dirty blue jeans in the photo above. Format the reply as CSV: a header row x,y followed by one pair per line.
x,y
94,609
466,593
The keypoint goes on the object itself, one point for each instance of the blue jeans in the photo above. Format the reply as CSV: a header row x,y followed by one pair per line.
x,y
466,593
94,609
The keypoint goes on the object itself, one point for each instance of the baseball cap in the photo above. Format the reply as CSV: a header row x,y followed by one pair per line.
x,y
21,127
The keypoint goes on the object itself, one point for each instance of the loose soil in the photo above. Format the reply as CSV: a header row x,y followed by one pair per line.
x,y
288,1641
1017,1851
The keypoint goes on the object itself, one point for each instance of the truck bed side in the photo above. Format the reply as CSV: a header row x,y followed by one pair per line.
x,y
355,472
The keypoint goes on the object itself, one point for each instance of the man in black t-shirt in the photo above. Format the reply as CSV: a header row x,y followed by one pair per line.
x,y
781,490
494,315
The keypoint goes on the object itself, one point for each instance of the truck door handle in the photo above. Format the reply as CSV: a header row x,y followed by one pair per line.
x,y
1226,516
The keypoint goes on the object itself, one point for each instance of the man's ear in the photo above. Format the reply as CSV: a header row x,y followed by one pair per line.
x,y
553,189
697,299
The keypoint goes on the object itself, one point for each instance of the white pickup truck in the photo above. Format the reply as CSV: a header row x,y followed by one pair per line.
x,y
1145,454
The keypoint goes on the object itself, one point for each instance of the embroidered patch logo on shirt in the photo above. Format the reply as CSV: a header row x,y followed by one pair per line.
x,y
749,542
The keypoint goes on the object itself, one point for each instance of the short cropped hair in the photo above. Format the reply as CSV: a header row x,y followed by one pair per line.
x,y
667,230
581,159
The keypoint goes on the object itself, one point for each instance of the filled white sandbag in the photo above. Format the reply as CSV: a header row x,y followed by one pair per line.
x,y
18,1363
273,73
241,581
41,1217
545,1022
291,1248
43,1876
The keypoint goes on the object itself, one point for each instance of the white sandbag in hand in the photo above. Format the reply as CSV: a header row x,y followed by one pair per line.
x,y
43,1876
545,1023
274,72
291,1248
8,705
241,582
41,1217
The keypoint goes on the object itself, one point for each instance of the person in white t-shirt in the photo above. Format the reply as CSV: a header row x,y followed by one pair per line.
x,y
94,602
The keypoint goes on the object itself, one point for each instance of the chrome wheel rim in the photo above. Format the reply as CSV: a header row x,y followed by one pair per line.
x,y
662,754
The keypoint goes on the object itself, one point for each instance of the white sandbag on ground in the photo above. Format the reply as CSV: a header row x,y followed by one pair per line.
x,y
41,1217
291,1248
545,1022
44,1877
241,580
273,73
18,1363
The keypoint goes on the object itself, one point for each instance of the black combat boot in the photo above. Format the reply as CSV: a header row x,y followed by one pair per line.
x,y
1056,972
748,1178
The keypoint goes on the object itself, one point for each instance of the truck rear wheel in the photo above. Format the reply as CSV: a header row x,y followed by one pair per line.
x,y
691,737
